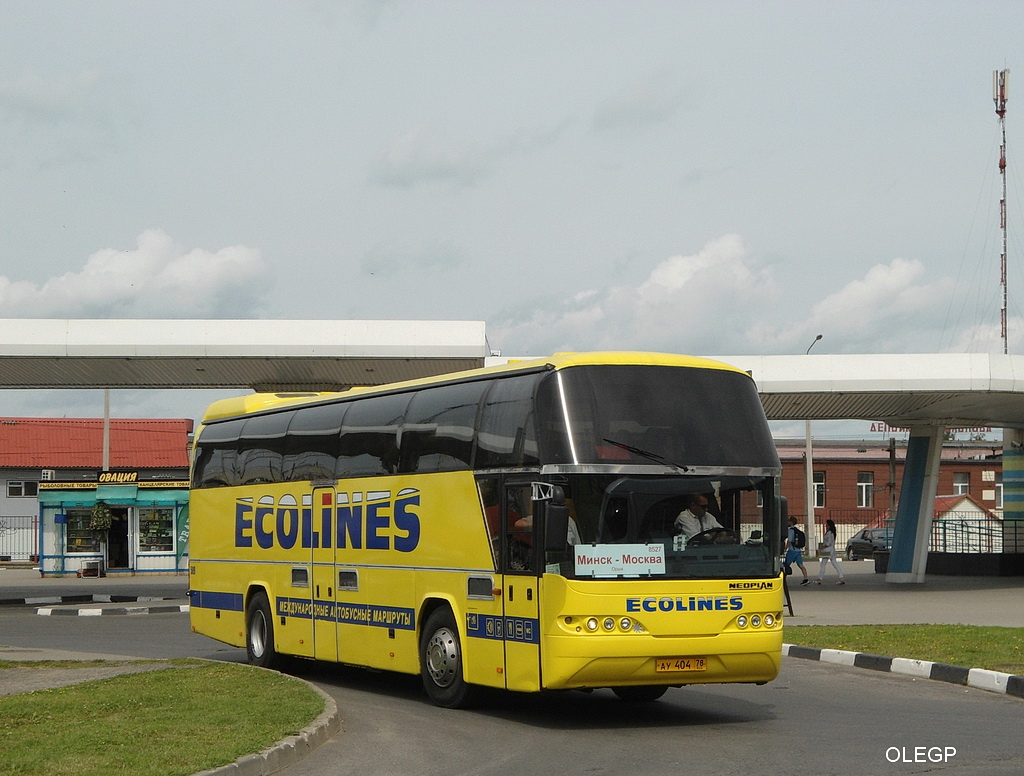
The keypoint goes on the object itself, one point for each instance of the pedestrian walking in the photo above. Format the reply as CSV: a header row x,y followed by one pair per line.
x,y
828,553
795,541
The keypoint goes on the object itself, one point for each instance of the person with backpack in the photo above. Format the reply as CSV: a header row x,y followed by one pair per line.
x,y
796,539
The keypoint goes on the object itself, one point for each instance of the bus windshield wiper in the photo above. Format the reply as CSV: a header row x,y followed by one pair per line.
x,y
647,454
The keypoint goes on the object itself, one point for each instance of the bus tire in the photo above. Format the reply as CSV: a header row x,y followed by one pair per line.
x,y
441,663
642,694
259,632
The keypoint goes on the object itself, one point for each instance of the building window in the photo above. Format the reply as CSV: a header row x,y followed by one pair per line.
x,y
961,483
999,490
819,490
22,489
865,489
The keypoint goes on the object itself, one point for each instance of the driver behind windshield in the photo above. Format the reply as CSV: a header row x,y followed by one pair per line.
x,y
695,518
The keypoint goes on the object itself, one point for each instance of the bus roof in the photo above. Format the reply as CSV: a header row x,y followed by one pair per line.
x,y
268,402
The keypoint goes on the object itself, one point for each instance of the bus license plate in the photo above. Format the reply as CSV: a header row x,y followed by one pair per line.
x,y
668,664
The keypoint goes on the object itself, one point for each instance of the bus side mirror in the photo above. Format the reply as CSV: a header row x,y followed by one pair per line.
x,y
556,523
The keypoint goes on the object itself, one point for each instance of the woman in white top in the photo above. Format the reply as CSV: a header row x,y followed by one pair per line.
x,y
828,553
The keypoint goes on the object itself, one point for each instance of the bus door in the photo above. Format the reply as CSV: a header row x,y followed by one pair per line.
x,y
520,623
325,582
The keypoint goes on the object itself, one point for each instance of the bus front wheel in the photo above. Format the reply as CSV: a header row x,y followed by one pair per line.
x,y
641,694
441,662
259,632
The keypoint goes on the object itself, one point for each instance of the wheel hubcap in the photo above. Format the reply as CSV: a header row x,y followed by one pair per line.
x,y
442,657
258,634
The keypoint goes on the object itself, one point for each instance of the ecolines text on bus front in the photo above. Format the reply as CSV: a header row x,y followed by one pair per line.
x,y
376,520
695,603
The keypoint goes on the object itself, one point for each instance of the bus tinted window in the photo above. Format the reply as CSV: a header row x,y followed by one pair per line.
x,y
438,431
369,441
709,417
506,434
261,448
216,459
311,446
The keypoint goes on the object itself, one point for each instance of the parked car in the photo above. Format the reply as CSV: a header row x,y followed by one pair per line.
x,y
864,543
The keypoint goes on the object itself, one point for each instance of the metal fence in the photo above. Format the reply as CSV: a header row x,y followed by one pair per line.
x,y
950,531
966,532
19,537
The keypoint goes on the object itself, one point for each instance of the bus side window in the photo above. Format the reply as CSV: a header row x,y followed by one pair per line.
x,y
519,527
490,502
217,455
505,434
311,445
261,448
369,436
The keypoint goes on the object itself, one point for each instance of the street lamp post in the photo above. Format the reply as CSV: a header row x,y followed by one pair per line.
x,y
812,534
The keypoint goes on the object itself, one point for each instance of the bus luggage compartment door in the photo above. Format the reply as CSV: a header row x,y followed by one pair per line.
x,y
521,633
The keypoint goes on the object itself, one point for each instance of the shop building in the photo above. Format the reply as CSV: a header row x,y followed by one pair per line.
x,y
106,501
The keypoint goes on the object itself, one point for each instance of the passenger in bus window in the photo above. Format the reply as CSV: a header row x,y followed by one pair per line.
x,y
695,518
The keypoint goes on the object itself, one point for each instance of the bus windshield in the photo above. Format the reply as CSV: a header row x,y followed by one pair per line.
x,y
648,526
667,472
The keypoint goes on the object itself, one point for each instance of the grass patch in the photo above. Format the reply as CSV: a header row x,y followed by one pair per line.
x,y
997,649
69,664
171,722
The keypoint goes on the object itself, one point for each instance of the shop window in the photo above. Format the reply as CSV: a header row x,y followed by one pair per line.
x,y
22,489
80,537
156,530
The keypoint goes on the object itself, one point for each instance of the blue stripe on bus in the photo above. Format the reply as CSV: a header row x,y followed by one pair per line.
x,y
351,614
487,626
212,599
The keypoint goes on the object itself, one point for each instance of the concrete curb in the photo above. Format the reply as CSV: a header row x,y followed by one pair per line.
x,y
97,611
76,599
288,751
978,678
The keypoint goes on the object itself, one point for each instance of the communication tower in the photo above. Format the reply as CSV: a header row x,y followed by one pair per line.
x,y
1000,81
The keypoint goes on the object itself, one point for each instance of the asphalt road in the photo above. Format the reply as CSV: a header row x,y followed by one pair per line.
x,y
815,719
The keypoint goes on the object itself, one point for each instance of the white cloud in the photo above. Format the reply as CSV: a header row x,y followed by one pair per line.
x,y
696,303
155,280
720,300
895,307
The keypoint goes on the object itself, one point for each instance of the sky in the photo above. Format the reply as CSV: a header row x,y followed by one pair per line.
x,y
712,178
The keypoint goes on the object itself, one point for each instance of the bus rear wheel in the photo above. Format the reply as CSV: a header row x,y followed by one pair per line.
x,y
441,662
641,694
259,632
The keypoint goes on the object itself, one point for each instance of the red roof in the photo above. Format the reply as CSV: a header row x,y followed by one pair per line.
x,y
945,504
66,443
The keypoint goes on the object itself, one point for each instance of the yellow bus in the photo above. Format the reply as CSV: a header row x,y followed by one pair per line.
x,y
512,527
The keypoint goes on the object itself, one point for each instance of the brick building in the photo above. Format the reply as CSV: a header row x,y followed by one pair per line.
x,y
856,484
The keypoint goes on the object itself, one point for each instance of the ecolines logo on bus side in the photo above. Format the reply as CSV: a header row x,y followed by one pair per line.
x,y
694,603
378,522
